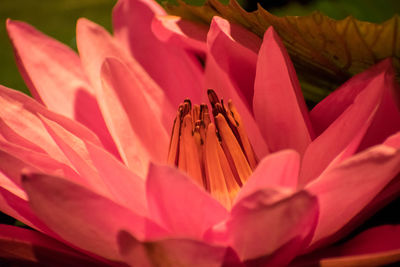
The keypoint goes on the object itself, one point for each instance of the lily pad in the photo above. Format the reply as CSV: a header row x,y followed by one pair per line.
x,y
325,52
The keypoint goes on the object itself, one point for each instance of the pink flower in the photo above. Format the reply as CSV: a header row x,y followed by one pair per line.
x,y
85,163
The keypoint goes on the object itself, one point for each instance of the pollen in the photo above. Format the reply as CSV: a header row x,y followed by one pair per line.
x,y
213,150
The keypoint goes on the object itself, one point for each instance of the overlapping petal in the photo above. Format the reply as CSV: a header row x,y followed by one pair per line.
x,y
174,252
217,74
132,22
259,225
360,179
348,129
276,82
180,205
45,63
77,214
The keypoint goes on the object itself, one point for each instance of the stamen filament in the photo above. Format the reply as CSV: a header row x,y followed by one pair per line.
x,y
233,150
215,173
248,149
174,143
190,150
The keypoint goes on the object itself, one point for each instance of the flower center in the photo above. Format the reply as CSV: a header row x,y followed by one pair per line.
x,y
216,155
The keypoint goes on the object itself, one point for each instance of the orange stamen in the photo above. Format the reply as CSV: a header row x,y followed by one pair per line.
x,y
248,149
233,150
216,176
217,156
174,143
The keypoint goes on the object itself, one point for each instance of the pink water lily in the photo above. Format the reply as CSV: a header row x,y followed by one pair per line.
x,y
91,165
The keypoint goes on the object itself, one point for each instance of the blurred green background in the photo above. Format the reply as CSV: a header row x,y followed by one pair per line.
x,y
57,18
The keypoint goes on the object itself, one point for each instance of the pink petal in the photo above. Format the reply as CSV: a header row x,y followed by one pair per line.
x,y
355,182
179,204
54,75
126,105
279,169
20,246
376,246
235,51
95,44
279,106
271,227
51,69
74,149
27,130
84,218
388,194
15,159
331,107
176,31
127,188
344,135
132,21
171,252
387,118
18,207
102,172
13,200
219,79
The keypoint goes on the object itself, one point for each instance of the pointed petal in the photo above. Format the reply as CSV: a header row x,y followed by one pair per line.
x,y
95,44
179,204
18,207
387,118
132,21
13,200
85,158
235,51
344,135
330,108
84,218
176,31
15,159
74,150
356,182
170,252
27,130
268,227
13,165
23,246
54,75
279,169
260,230
121,89
127,188
279,106
219,79
51,69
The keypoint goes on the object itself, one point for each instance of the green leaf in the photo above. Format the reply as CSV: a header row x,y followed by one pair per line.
x,y
325,52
